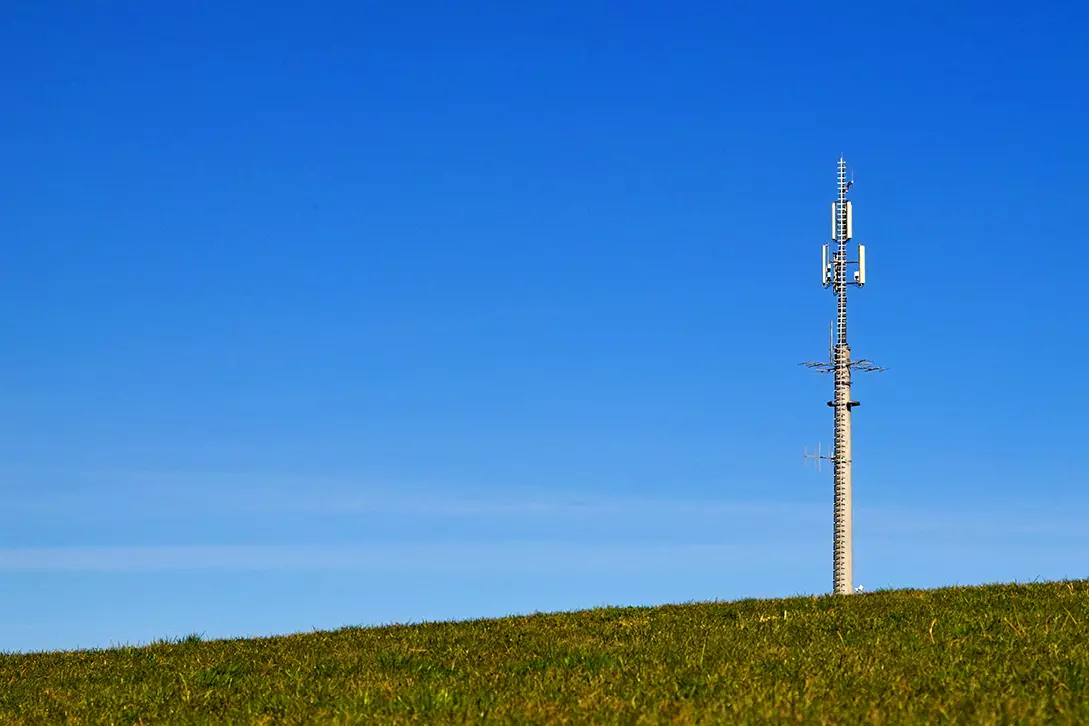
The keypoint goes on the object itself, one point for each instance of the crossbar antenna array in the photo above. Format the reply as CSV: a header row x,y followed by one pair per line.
x,y
834,274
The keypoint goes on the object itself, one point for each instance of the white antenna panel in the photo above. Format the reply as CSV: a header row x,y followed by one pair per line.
x,y
850,222
826,268
860,275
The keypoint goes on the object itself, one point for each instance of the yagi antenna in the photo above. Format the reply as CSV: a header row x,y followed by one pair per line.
x,y
834,269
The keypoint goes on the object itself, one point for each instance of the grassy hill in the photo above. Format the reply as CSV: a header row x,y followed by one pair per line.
x,y
993,654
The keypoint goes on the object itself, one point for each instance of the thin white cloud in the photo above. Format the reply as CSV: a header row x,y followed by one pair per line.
x,y
497,558
1067,522
177,492
195,493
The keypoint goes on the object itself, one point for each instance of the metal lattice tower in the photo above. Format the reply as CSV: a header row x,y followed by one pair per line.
x,y
834,274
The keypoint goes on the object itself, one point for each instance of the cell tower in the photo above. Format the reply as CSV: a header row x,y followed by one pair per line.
x,y
834,266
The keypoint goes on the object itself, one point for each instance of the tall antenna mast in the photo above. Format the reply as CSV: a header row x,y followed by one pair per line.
x,y
834,264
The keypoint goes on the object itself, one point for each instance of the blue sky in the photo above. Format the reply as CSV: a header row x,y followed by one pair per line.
x,y
337,313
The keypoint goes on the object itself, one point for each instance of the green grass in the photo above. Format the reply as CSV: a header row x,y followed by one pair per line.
x,y
980,655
